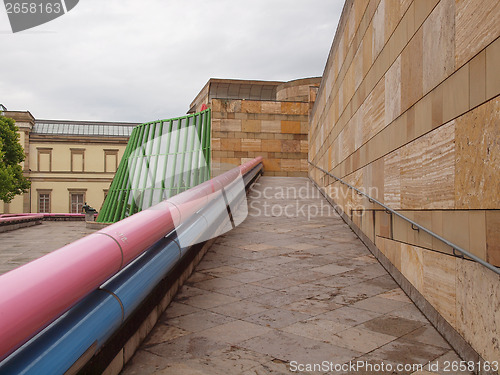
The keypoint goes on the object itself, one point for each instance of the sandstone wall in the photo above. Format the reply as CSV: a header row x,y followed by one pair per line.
x,y
408,109
245,129
297,90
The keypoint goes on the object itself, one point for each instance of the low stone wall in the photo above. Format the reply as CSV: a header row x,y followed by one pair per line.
x,y
96,225
111,359
29,222
12,221
125,353
64,217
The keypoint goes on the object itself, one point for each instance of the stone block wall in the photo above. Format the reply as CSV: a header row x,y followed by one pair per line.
x,y
408,110
245,129
259,118
297,90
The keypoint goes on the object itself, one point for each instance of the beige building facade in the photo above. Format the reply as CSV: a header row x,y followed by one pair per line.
x,y
68,162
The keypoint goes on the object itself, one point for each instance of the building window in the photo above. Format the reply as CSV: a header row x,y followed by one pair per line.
x,y
44,201
77,203
110,161
77,160
44,159
76,200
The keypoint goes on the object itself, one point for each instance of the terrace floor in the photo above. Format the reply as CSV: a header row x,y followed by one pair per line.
x,y
291,285
23,245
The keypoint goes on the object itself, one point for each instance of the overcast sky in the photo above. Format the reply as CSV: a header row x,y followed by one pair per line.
x,y
142,60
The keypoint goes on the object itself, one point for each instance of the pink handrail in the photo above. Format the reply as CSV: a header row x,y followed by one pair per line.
x,y
35,294
12,218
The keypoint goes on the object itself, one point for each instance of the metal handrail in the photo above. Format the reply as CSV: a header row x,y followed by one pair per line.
x,y
414,224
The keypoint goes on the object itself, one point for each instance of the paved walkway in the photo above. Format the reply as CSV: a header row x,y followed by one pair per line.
x,y
23,245
290,286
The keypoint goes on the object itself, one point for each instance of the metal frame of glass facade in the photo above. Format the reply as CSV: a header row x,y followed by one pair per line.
x,y
162,159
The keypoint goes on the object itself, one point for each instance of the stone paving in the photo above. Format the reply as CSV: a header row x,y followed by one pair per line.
x,y
291,285
23,245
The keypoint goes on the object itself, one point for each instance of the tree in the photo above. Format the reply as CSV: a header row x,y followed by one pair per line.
x,y
12,180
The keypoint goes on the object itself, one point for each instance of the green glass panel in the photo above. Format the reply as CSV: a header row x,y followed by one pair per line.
x,y
162,158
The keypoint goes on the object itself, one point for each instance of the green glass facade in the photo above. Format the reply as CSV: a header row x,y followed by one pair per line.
x,y
162,159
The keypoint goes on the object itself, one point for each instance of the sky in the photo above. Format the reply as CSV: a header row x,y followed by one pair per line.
x,y
143,60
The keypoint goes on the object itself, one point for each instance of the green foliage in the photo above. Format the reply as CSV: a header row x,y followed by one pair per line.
x,y
12,181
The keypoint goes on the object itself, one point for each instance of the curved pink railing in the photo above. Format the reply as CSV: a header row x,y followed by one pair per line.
x,y
13,218
34,295
16,218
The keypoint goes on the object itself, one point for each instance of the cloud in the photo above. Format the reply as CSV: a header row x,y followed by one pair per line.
x,y
125,60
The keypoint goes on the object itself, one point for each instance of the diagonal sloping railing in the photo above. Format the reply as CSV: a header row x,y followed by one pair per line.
x,y
416,226
162,158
